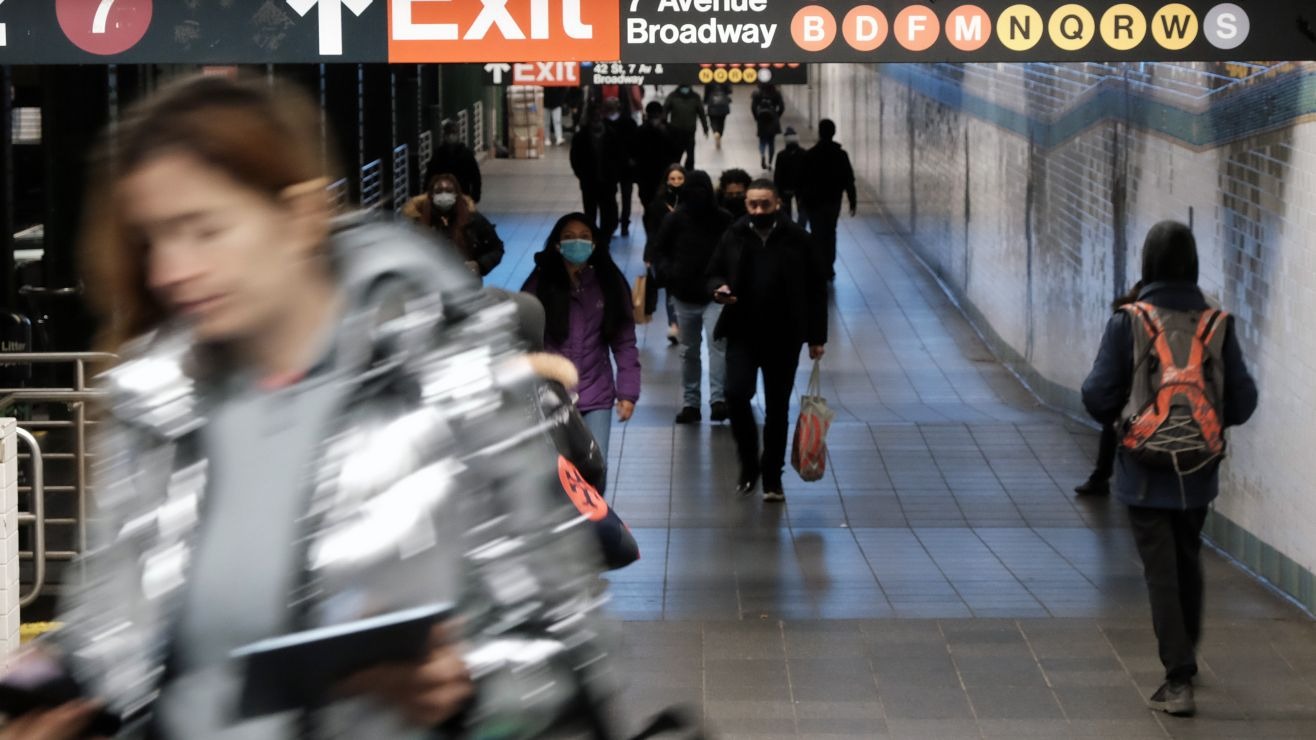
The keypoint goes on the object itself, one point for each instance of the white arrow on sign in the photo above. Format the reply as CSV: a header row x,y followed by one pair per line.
x,y
4,39
497,70
331,20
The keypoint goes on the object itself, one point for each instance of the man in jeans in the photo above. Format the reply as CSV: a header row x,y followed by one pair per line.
x,y
680,253
772,285
1167,509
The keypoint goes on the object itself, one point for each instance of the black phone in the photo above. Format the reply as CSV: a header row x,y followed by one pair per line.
x,y
299,670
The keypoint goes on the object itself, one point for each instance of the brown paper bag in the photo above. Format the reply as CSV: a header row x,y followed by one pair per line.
x,y
637,299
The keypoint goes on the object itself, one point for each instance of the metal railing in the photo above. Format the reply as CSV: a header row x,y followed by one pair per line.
x,y
37,518
74,400
424,154
464,124
477,123
401,177
339,194
372,185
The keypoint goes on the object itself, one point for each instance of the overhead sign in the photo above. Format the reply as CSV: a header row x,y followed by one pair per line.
x,y
638,73
650,31
544,74
983,31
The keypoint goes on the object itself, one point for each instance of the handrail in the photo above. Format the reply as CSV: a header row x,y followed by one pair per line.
x,y
37,517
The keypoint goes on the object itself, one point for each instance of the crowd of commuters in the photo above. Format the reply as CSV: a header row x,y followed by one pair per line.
x,y
261,340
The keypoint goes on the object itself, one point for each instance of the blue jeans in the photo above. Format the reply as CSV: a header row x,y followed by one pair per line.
x,y
599,422
693,320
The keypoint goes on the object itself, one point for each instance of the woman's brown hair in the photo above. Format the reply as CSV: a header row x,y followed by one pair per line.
x,y
455,229
265,136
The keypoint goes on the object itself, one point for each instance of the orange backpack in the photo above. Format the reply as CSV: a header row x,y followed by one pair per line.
x,y
1173,420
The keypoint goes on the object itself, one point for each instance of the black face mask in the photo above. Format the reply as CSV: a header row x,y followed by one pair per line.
x,y
734,204
763,220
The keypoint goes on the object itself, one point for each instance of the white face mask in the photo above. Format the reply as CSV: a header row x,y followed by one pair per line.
x,y
444,201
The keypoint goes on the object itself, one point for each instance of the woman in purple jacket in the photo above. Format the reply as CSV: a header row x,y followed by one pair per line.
x,y
587,307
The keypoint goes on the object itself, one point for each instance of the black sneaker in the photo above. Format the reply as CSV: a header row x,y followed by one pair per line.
x,y
625,230
718,411
1174,698
745,488
689,415
1093,488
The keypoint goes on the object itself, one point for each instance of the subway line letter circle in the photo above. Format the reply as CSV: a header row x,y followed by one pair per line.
x,y
968,28
917,28
1072,27
1175,26
1226,26
813,28
1123,27
865,28
104,27
1020,27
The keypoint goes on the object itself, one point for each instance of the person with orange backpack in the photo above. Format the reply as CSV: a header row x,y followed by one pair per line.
x,y
1171,377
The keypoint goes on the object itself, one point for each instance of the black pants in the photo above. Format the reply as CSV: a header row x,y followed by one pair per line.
x,y
648,189
822,224
600,202
778,362
789,203
1170,543
627,189
719,123
686,140
1106,454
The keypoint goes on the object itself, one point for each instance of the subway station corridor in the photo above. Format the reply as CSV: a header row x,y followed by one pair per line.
x,y
942,580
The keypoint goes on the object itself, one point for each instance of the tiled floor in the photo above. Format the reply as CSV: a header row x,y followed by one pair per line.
x,y
941,581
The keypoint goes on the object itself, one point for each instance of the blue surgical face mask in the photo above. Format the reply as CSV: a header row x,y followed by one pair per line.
x,y
576,251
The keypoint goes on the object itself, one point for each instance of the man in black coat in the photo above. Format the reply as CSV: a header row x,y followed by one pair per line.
x,y
599,160
455,158
827,176
789,176
773,288
655,150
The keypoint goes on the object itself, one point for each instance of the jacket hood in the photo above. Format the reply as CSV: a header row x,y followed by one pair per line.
x,y
1169,254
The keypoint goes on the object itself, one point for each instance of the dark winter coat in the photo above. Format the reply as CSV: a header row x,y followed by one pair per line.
x,y
654,151
599,155
717,98
683,248
768,109
684,111
789,169
788,260
828,175
1107,388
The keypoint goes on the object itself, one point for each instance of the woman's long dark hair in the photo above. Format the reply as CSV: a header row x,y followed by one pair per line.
x,y
554,287
458,219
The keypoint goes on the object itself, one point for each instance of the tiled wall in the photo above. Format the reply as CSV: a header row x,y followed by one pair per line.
x,y
9,593
1029,188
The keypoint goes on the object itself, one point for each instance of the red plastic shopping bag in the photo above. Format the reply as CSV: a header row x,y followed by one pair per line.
x,y
809,448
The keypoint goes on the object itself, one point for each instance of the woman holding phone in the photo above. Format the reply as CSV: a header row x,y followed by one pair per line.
x,y
313,422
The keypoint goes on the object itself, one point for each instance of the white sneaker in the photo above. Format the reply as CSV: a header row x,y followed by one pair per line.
x,y
774,496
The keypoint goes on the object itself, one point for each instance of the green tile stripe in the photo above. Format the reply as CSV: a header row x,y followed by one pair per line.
x,y
1262,560
1253,109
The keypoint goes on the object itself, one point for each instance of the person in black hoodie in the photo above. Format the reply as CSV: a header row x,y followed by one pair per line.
x,y
681,252
599,160
731,187
827,176
655,152
1168,507
1098,483
789,177
668,197
773,288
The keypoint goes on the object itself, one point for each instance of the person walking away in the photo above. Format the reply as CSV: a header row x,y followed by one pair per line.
x,y
717,101
555,98
773,289
731,188
587,307
454,157
664,202
655,152
768,108
622,133
827,175
684,111
1098,483
789,177
452,215
265,348
1173,439
597,159
681,253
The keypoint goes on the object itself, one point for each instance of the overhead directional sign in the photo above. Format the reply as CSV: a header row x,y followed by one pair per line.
x,y
981,31
652,31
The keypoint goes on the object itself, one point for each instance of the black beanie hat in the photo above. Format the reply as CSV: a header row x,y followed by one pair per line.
x,y
1169,255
